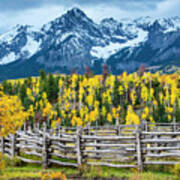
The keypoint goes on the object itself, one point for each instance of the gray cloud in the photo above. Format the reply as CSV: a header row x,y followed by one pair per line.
x,y
19,5
39,12
12,5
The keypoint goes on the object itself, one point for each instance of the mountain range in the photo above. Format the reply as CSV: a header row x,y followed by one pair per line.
x,y
73,41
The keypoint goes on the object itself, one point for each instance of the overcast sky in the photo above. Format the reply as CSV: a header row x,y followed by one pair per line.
x,y
38,12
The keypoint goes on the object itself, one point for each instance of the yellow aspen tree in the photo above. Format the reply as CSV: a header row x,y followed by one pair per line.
x,y
133,96
132,117
12,114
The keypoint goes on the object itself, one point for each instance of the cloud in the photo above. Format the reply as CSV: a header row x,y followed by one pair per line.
x,y
170,8
36,17
13,5
125,4
20,5
39,12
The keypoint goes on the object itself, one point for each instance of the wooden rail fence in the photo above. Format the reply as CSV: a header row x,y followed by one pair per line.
x,y
115,146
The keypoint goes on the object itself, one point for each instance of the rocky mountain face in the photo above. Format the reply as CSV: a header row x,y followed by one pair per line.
x,y
73,41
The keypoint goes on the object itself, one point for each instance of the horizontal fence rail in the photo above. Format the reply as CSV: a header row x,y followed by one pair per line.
x,y
114,146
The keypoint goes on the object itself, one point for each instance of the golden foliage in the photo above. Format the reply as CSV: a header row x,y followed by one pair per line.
x,y
91,100
53,176
12,114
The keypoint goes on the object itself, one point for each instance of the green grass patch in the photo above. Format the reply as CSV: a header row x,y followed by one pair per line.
x,y
63,159
26,171
32,157
34,171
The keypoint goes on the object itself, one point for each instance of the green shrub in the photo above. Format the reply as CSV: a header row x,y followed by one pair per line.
x,y
176,169
2,163
16,161
12,162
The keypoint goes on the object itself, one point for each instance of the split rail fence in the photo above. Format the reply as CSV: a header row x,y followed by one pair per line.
x,y
115,146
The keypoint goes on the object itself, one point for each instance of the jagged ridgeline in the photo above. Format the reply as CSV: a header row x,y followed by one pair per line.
x,y
81,100
73,41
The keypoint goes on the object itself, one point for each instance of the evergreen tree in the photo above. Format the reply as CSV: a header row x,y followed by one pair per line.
x,y
22,93
43,81
52,88
42,75
7,87
116,96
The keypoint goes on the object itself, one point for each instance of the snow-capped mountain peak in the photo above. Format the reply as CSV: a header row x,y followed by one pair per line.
x,y
73,41
72,18
21,42
144,22
76,13
11,34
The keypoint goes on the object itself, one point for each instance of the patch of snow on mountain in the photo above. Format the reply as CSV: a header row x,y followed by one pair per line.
x,y
9,36
47,27
130,28
8,59
142,36
171,29
165,23
31,46
58,32
120,37
31,29
107,51
170,24
110,24
65,36
145,20
176,22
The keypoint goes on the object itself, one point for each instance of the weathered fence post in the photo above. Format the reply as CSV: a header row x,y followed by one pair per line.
x,y
146,126
57,129
119,129
142,126
13,146
60,131
2,145
174,125
44,149
138,149
96,142
78,146
17,148
25,126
